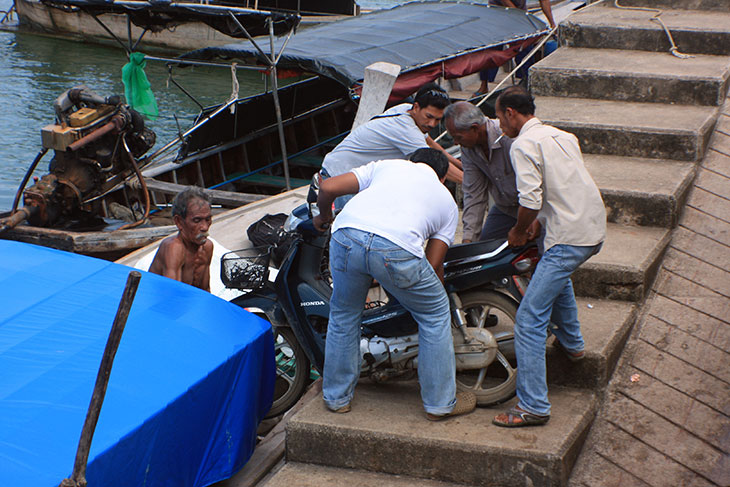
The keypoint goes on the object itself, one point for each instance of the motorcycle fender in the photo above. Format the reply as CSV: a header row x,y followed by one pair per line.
x,y
265,305
477,352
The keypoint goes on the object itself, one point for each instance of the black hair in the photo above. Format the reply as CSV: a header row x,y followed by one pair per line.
x,y
433,95
434,158
184,197
517,98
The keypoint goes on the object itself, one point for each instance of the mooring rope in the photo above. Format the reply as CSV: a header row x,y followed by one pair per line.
x,y
656,18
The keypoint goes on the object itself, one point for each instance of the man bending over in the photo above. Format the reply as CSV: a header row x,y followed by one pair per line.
x,y
399,206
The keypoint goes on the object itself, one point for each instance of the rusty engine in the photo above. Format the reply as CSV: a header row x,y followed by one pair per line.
x,y
96,142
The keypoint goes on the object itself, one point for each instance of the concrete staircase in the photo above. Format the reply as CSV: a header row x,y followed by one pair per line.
x,y
644,118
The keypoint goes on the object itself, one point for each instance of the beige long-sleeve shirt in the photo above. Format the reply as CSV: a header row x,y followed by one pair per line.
x,y
552,178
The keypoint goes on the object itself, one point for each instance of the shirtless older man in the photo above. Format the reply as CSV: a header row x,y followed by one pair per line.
x,y
186,256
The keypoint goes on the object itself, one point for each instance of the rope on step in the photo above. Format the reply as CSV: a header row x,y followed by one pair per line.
x,y
529,56
674,49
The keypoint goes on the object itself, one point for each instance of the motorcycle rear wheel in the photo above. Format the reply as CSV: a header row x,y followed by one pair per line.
x,y
292,371
497,382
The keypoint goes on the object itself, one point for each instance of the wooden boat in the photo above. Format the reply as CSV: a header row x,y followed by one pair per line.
x,y
245,149
77,21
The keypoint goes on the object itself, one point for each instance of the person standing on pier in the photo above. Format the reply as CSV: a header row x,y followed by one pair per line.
x,y
186,256
556,192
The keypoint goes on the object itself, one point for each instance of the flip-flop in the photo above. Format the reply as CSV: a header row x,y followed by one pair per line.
x,y
527,419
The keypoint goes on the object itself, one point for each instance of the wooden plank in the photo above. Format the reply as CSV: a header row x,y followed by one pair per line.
x,y
228,198
276,181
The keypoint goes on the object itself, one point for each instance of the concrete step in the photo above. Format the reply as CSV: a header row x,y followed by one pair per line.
x,y
717,5
678,132
636,191
640,76
605,326
308,475
607,27
387,432
626,265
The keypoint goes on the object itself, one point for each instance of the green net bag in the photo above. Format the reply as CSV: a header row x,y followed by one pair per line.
x,y
137,88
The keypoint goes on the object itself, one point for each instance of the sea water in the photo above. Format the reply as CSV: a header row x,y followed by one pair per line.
x,y
36,69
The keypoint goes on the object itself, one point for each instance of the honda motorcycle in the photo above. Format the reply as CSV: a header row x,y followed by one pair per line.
x,y
484,281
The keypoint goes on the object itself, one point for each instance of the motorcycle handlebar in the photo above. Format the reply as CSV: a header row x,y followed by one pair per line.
x,y
306,228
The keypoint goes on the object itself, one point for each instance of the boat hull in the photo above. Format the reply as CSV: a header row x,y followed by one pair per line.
x,y
194,35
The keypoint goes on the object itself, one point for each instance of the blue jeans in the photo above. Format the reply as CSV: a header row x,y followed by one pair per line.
x,y
356,257
549,298
497,225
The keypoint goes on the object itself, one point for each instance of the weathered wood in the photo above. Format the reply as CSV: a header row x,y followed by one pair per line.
x,y
78,477
228,198
89,242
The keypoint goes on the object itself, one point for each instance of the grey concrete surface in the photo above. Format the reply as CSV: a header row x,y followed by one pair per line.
x,y
639,76
626,264
306,475
665,420
603,26
718,5
386,431
638,191
678,132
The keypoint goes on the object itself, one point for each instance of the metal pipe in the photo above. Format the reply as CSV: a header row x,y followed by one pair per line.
x,y
116,123
190,130
277,107
145,191
27,176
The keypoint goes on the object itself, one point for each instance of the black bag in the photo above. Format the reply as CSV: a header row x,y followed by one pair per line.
x,y
269,231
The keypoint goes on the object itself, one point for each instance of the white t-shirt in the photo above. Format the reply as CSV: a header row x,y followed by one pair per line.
x,y
403,202
393,135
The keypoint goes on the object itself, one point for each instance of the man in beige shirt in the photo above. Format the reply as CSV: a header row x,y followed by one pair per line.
x,y
556,192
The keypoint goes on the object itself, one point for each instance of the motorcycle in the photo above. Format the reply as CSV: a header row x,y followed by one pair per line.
x,y
485,282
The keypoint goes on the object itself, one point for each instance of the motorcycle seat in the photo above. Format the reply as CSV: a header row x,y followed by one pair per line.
x,y
462,251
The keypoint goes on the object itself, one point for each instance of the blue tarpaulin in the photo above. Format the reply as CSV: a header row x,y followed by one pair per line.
x,y
192,378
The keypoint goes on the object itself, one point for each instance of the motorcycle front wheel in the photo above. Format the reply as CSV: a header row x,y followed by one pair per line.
x,y
497,382
292,371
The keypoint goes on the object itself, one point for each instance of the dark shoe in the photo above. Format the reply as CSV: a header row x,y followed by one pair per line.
x,y
517,418
572,356
466,402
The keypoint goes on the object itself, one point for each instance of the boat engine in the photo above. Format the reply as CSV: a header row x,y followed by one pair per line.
x,y
96,142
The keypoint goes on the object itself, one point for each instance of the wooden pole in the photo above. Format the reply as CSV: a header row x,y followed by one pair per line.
x,y
78,477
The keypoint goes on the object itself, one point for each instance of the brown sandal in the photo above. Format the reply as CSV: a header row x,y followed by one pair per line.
x,y
526,419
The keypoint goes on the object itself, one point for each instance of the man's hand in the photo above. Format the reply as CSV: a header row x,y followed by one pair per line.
x,y
321,223
534,231
525,228
516,238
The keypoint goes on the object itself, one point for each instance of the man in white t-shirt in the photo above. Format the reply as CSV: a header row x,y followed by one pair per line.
x,y
380,234
395,134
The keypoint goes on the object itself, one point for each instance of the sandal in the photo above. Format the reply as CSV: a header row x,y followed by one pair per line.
x,y
526,419
572,356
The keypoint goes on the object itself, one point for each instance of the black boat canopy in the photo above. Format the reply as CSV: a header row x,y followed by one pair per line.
x,y
160,14
414,36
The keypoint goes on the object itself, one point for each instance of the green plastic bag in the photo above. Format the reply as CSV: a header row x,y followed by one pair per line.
x,y
137,88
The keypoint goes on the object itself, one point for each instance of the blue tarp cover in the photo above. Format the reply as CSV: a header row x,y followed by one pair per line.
x,y
192,378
